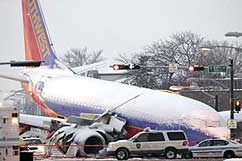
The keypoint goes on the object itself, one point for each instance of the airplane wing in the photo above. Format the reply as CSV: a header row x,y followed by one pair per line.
x,y
41,122
85,119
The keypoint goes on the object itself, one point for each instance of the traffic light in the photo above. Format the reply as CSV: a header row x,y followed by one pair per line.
x,y
192,68
27,63
34,63
237,105
125,66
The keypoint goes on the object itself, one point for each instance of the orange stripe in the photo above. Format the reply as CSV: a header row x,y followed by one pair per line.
x,y
31,48
29,90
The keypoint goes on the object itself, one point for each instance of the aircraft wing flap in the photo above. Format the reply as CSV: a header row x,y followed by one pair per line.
x,y
41,122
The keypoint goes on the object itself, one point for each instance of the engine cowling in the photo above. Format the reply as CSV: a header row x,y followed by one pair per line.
x,y
81,142
90,140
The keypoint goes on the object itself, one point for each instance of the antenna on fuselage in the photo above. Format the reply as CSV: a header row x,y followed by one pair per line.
x,y
115,108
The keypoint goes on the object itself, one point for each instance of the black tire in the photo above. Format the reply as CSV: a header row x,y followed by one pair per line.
x,y
186,155
190,155
170,153
122,154
229,154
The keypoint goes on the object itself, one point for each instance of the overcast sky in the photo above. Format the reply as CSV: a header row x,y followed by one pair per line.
x,y
117,26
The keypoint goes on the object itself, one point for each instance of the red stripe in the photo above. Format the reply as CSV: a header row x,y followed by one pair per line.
x,y
132,130
30,90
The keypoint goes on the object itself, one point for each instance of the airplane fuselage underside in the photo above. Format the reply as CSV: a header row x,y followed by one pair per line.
x,y
134,124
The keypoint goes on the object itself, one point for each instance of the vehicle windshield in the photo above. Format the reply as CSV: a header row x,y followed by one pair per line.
x,y
234,142
134,137
33,141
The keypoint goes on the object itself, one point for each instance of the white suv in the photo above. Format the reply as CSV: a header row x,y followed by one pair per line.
x,y
151,143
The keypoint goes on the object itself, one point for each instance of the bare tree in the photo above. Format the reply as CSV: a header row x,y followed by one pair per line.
x,y
123,58
80,56
219,55
142,77
181,49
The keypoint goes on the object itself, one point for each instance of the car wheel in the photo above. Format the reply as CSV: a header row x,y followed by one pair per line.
x,y
190,155
229,154
122,154
170,153
186,155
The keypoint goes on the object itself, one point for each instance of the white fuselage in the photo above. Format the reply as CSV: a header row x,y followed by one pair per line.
x,y
68,94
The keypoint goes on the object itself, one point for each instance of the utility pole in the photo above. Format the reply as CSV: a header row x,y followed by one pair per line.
x,y
231,95
216,102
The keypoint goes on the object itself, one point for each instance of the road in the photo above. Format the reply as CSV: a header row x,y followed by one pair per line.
x,y
57,156
132,159
60,157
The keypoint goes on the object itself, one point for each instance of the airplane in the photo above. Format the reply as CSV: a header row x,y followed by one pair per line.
x,y
86,111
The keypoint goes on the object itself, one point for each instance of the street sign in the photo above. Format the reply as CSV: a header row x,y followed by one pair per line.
x,y
232,124
216,69
173,68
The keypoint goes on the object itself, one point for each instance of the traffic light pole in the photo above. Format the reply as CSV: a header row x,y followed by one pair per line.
x,y
231,95
216,102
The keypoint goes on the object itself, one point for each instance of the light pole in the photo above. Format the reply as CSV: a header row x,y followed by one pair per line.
x,y
231,95
231,65
232,35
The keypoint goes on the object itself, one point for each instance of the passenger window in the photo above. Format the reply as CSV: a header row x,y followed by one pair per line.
x,y
176,136
142,138
220,143
156,137
205,143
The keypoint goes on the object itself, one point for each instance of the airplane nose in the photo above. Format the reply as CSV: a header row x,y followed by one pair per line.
x,y
220,132
208,121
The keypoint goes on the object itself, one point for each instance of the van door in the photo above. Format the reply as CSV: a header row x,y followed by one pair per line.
x,y
141,144
157,142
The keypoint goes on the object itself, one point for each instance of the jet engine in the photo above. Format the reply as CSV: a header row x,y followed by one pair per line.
x,y
78,141
75,138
